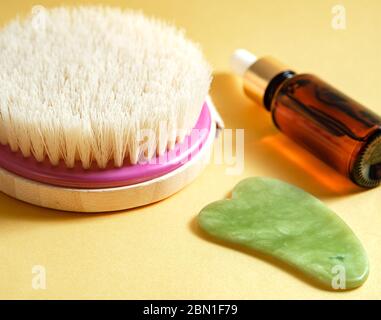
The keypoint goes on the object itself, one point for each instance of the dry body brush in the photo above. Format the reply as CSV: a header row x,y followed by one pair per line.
x,y
81,84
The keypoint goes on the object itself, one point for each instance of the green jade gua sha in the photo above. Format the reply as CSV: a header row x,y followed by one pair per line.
x,y
287,223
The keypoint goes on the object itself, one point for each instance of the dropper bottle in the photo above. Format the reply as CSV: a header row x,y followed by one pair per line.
x,y
336,129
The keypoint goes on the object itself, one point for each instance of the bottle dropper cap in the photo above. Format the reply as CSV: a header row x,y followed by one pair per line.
x,y
241,60
256,73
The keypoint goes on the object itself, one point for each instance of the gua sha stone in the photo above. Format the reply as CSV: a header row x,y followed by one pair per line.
x,y
285,222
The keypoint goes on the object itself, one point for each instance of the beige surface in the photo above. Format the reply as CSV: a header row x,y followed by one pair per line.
x,y
157,251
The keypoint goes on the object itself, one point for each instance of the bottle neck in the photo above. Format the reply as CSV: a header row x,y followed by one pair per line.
x,y
262,79
273,86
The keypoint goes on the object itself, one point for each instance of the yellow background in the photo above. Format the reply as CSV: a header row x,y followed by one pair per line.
x,y
157,251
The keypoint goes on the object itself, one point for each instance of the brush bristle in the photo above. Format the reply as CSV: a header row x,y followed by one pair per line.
x,y
85,84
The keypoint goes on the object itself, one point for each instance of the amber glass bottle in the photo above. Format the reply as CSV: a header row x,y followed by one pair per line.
x,y
338,130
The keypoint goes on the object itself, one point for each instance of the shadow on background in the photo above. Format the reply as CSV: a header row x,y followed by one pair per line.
x,y
13,210
267,148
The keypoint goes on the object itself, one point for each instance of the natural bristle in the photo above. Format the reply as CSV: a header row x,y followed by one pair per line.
x,y
85,84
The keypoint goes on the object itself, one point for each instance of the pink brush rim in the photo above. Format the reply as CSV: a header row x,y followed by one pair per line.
x,y
94,178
